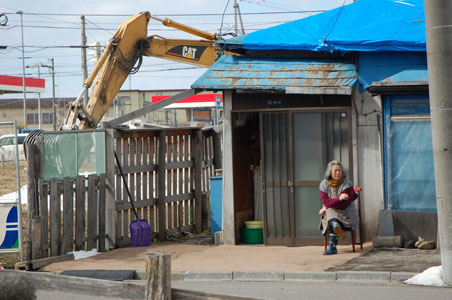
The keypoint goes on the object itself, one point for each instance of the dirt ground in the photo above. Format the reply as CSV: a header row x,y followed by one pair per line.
x,y
8,177
8,184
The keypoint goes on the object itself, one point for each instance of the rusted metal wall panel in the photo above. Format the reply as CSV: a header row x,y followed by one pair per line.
x,y
278,74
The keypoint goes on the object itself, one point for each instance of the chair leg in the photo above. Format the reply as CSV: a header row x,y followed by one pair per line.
x,y
361,239
353,240
325,241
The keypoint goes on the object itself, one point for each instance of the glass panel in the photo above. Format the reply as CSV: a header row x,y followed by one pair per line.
x,y
307,205
276,174
411,174
91,153
73,154
309,161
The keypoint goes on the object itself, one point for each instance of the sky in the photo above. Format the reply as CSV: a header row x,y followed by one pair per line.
x,y
51,29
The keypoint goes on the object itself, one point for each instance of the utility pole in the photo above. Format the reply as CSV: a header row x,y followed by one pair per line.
x,y
39,94
84,62
237,14
23,69
439,61
53,93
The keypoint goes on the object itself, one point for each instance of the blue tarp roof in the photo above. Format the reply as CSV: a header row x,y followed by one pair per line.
x,y
289,75
365,25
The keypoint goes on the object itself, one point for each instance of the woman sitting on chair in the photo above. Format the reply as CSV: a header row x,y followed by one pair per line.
x,y
338,211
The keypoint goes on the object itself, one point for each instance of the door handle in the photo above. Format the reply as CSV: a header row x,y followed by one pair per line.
x,y
290,185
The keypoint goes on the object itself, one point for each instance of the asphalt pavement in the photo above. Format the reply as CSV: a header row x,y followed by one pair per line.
x,y
267,272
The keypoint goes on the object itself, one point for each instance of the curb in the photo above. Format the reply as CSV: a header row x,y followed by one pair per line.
x,y
340,276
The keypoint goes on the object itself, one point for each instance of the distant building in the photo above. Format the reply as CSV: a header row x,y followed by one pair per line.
x,y
198,110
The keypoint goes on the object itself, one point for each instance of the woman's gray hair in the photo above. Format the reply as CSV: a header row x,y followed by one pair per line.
x,y
330,165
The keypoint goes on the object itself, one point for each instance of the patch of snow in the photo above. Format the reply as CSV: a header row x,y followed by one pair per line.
x,y
13,197
433,276
84,254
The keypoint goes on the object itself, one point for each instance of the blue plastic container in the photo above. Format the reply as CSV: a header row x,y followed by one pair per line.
x,y
216,204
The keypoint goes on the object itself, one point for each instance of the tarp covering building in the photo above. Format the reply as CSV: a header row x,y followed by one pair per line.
x,y
365,25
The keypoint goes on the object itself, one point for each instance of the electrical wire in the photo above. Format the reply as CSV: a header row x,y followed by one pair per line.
x,y
335,22
222,17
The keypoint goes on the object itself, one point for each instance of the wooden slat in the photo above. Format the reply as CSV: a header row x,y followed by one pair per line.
x,y
102,211
145,191
180,197
186,180
121,205
55,219
135,169
132,189
44,212
175,180
152,186
139,160
180,182
198,169
161,186
119,233
217,153
169,182
68,216
80,213
124,162
92,213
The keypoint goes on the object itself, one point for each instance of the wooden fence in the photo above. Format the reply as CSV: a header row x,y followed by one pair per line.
x,y
167,173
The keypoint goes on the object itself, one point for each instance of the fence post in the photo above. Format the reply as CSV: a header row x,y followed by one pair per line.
x,y
161,184
31,196
217,153
198,176
158,272
110,206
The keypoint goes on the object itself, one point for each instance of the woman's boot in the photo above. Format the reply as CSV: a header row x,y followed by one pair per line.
x,y
337,228
334,239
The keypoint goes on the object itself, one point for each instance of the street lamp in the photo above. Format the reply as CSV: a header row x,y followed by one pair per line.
x,y
51,67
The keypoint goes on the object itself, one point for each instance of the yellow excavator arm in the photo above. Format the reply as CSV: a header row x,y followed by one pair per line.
x,y
123,55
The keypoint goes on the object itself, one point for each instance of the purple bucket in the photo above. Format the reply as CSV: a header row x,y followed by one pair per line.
x,y
140,232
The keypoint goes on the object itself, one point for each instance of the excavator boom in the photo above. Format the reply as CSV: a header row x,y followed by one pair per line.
x,y
123,55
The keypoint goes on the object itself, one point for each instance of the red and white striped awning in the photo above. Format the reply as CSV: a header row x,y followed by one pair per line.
x,y
198,100
14,84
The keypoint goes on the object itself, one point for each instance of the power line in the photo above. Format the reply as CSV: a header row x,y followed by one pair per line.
x,y
178,15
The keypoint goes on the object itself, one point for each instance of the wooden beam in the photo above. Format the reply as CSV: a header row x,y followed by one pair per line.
x,y
158,270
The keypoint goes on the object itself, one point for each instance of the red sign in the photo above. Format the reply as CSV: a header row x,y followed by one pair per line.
x,y
14,84
198,100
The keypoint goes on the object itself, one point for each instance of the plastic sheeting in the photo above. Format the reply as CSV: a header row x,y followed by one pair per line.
x,y
411,175
365,25
73,154
410,178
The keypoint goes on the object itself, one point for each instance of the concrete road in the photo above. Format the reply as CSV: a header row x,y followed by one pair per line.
x,y
316,290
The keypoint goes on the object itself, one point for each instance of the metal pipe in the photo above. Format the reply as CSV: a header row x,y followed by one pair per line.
x,y
188,29
19,204
439,61
23,68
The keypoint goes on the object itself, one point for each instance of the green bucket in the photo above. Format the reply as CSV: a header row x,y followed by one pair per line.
x,y
253,235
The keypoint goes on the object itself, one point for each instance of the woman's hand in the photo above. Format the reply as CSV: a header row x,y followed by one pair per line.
x,y
343,197
322,211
